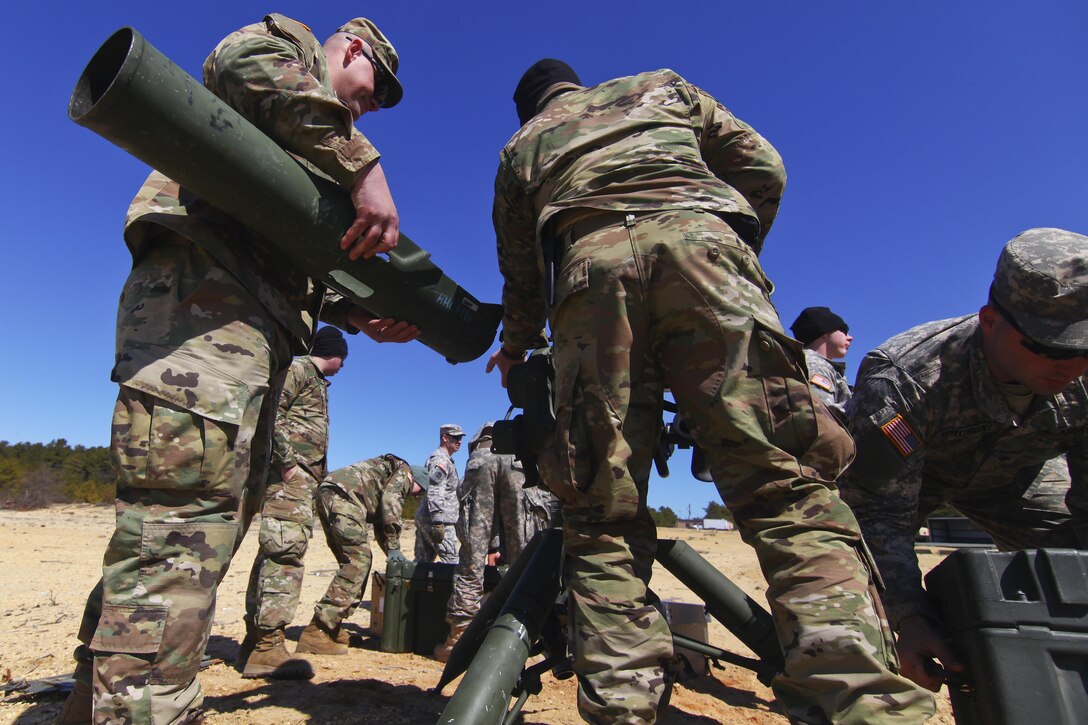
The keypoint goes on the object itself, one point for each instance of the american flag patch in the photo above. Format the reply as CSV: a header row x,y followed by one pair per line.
x,y
901,435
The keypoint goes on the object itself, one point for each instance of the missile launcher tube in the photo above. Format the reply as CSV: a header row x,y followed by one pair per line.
x,y
137,98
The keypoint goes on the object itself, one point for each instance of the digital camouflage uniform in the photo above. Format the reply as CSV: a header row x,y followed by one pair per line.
x,y
300,438
827,379
668,198
436,517
497,514
208,320
349,500
932,427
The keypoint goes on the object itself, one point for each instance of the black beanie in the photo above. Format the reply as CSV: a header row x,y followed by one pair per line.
x,y
814,322
541,76
329,342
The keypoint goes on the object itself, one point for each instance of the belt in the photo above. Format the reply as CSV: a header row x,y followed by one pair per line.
x,y
597,222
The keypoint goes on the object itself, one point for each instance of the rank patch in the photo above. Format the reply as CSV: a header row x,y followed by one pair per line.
x,y
821,382
899,432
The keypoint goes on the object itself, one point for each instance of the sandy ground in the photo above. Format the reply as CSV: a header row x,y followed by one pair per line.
x,y
51,558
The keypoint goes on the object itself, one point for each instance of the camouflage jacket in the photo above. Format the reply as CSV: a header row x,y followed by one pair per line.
x,y
643,143
274,73
301,433
380,485
826,379
441,499
505,477
932,427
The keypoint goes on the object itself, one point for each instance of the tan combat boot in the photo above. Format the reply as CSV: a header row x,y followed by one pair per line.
x,y
317,640
270,659
442,651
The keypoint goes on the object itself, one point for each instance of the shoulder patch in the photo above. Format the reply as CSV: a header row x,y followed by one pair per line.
x,y
822,382
902,436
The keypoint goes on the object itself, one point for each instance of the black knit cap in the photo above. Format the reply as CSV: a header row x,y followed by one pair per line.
x,y
329,342
541,76
815,322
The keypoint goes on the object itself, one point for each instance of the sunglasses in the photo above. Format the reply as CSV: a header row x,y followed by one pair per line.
x,y
381,87
1038,348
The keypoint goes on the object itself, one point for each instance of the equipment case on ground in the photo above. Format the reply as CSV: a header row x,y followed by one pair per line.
x,y
1020,622
413,605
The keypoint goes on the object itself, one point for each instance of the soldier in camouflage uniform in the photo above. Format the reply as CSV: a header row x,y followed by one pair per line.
x,y
367,493
653,200
498,516
826,338
207,324
300,442
988,413
436,517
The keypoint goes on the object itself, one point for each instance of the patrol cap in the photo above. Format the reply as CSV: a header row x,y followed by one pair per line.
x,y
385,55
1042,282
419,475
482,433
452,429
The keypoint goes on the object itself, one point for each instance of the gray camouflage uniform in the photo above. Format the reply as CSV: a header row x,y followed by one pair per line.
x,y
207,323
659,200
827,379
497,514
300,438
931,428
349,501
436,517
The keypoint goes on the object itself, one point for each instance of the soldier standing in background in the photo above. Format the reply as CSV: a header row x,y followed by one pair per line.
x,y
349,500
300,443
630,214
436,517
826,338
988,413
498,514
207,323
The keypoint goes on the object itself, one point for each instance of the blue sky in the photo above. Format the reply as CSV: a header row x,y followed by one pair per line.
x,y
918,138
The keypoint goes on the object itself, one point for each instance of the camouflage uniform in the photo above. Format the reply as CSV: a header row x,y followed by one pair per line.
x,y
932,427
436,517
828,379
497,513
208,320
660,199
301,439
367,493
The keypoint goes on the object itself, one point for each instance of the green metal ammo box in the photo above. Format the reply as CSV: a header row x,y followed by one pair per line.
x,y
1019,620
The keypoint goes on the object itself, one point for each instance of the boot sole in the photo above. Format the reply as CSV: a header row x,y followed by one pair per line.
x,y
301,649
282,672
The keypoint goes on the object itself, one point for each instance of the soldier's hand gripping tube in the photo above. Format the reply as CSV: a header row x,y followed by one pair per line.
x,y
135,97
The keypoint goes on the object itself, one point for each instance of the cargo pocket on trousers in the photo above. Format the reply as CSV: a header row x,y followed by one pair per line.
x,y
876,588
182,563
129,629
775,360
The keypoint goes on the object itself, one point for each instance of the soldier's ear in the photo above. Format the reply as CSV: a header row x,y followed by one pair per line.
x,y
987,318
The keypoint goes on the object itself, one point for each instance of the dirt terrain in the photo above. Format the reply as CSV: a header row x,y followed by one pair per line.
x,y
51,558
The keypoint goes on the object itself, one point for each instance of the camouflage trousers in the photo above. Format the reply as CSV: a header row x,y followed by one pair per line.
x,y
483,512
183,473
675,300
287,522
345,526
434,541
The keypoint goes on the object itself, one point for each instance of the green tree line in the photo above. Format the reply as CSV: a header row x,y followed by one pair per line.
x,y
33,475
